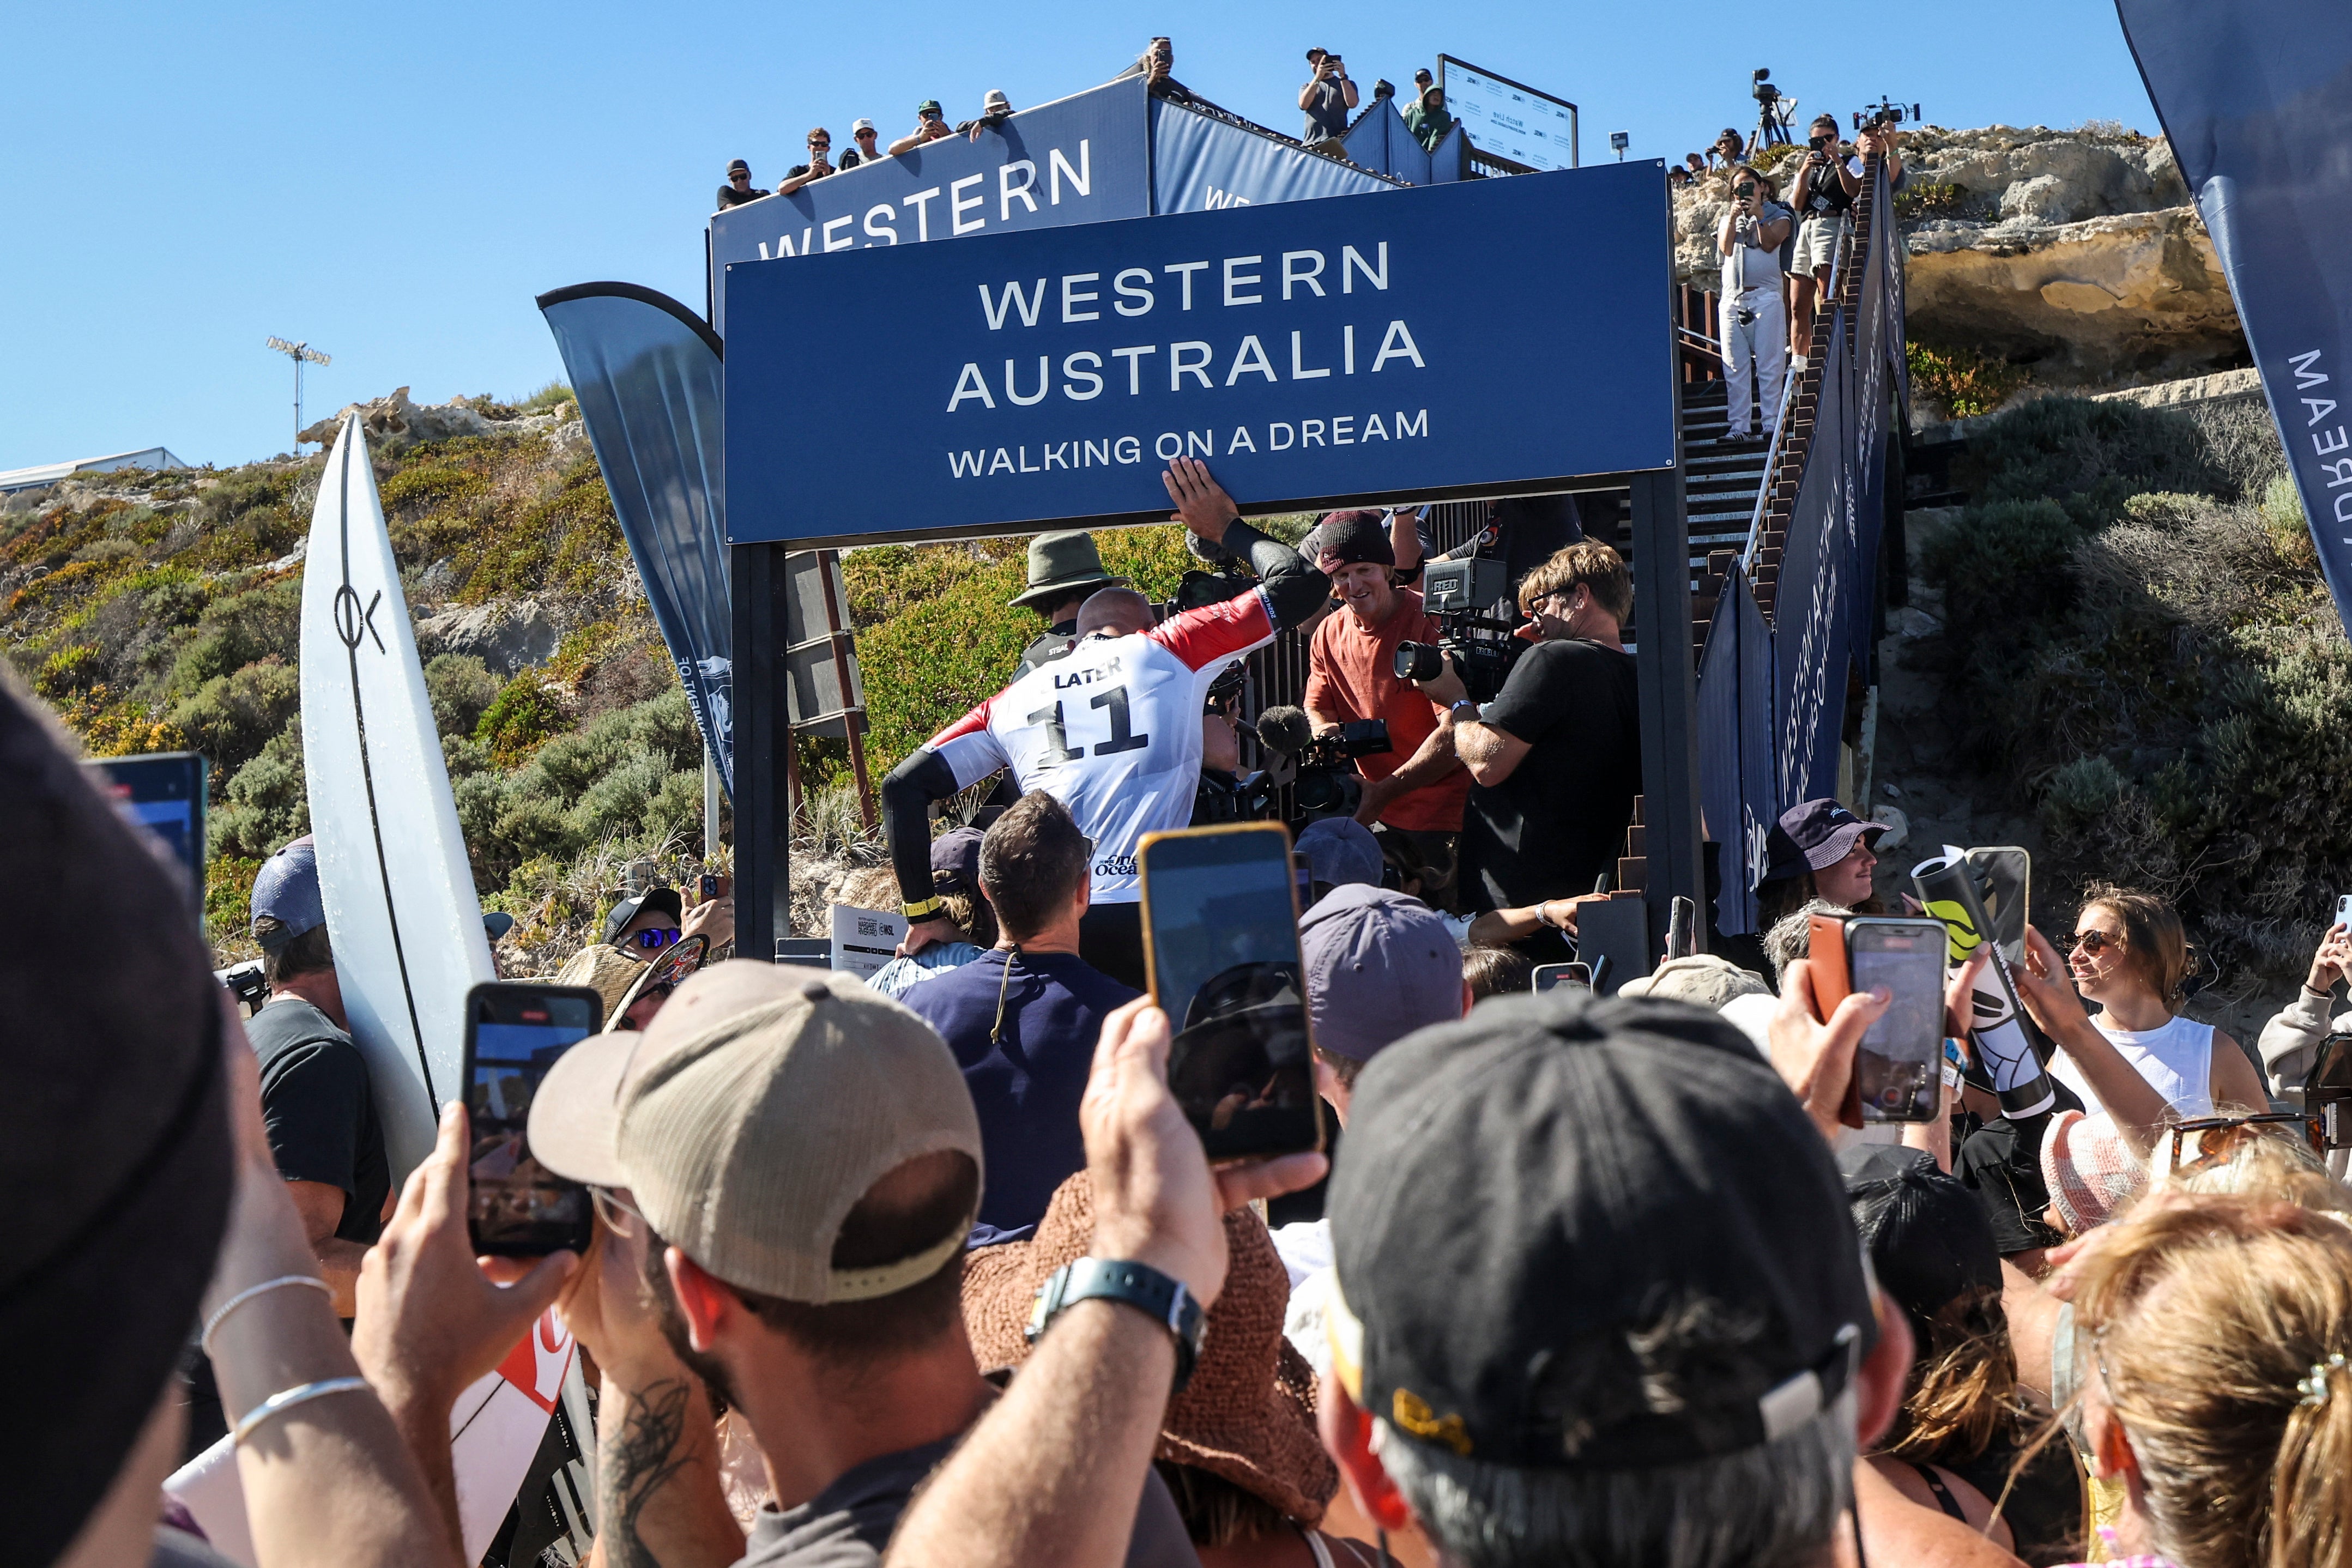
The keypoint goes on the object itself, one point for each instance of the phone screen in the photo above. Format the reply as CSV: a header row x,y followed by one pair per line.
x,y
1899,1069
1549,975
1221,934
514,1032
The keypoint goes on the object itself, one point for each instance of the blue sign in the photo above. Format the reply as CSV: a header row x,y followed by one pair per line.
x,y
1200,163
1309,351
1079,160
2257,102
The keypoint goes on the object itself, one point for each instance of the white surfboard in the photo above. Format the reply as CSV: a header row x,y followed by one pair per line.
x,y
494,1430
400,909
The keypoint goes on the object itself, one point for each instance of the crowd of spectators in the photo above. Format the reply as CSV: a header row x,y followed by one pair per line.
x,y
1584,1278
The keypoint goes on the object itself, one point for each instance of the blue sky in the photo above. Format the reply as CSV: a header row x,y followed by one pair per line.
x,y
394,182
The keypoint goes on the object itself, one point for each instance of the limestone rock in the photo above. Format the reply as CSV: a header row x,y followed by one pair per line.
x,y
505,636
394,418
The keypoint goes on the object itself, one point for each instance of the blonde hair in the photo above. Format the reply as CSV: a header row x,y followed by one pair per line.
x,y
1588,562
2156,948
2270,1162
2212,1320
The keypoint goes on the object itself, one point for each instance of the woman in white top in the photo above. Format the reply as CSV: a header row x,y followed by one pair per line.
x,y
2128,956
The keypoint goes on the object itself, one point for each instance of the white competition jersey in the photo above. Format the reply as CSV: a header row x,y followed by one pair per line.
x,y
1112,729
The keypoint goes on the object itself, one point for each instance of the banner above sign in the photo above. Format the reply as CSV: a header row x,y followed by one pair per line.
x,y
1494,336
1079,160
1510,118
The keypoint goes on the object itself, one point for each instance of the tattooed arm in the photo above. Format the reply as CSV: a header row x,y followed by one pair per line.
x,y
659,1502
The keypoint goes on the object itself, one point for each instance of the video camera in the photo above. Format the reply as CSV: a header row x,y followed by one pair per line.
x,y
1883,114
1322,766
1457,592
246,984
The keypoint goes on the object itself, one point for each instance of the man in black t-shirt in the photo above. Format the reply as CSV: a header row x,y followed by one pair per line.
x,y
738,188
315,1096
1556,757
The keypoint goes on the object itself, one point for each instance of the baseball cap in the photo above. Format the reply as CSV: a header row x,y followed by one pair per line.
x,y
287,890
738,167
1340,850
929,105
117,1159
1423,75
860,124
1701,979
1929,1241
751,1116
1379,965
955,861
665,899
1813,835
1356,536
1524,1196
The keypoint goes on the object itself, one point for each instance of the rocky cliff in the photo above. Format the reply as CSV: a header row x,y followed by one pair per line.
x,y
2075,254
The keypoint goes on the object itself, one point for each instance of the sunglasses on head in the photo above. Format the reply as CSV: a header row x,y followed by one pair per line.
x,y
2210,1140
2094,943
654,940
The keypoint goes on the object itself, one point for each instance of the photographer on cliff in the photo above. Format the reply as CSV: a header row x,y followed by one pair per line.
x,y
1556,758
1416,789
1828,184
1755,322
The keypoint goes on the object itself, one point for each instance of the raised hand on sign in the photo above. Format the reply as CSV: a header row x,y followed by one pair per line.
x,y
1201,504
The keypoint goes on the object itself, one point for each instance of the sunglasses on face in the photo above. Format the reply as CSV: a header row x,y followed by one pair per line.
x,y
654,940
2203,1140
2094,943
820,146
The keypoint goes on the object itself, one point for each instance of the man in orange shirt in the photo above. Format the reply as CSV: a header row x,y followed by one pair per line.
x,y
1418,789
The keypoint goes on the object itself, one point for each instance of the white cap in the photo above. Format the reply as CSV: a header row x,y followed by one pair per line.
x,y
861,125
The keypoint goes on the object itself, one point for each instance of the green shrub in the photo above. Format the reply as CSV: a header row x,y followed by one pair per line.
x,y
527,713
267,803
230,717
70,671
1965,383
2090,456
239,629
554,395
461,688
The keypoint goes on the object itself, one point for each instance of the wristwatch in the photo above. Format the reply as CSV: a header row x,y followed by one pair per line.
x,y
1154,1294
1457,710
925,910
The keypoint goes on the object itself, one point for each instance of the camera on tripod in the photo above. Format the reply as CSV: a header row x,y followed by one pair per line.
x,y
1883,115
1457,592
1774,110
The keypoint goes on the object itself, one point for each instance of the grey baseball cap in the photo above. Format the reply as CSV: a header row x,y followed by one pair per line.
x,y
1379,965
1341,850
287,891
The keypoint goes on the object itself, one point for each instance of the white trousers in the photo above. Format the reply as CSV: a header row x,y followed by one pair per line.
x,y
1762,346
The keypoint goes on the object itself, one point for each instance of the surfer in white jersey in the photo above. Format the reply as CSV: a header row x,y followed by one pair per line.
x,y
1112,729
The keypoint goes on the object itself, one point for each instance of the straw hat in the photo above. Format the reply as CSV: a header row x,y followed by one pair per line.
x,y
1249,1415
604,969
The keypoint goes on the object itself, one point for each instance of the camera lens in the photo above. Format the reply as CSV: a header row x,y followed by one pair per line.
x,y
1419,662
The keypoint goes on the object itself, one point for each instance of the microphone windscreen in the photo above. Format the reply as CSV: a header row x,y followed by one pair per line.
x,y
1285,729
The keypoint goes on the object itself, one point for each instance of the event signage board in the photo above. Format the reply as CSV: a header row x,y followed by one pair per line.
x,y
1307,351
1509,118
1079,160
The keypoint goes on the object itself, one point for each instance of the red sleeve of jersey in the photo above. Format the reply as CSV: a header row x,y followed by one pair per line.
x,y
973,722
1202,637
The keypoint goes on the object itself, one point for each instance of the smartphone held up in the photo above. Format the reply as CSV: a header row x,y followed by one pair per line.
x,y
1899,1069
1221,946
514,1032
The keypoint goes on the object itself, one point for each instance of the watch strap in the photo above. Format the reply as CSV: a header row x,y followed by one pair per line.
x,y
925,910
1157,1296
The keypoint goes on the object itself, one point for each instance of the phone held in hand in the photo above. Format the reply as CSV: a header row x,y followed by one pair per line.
x,y
1899,1069
1547,977
2344,910
1221,948
514,1031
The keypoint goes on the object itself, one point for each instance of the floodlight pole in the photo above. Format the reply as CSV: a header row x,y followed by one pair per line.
x,y
302,354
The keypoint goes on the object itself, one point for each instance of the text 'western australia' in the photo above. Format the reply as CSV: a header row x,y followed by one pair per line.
x,y
1219,351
